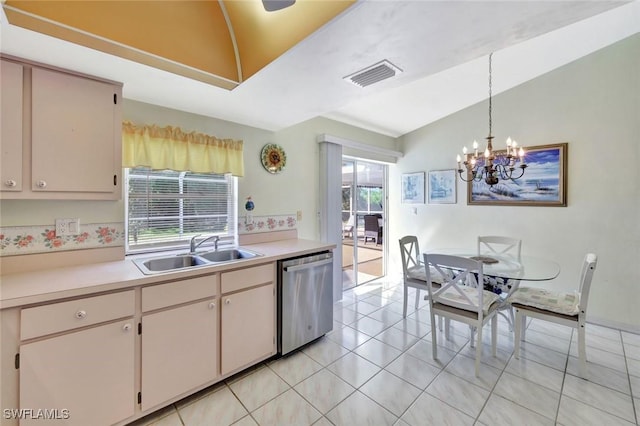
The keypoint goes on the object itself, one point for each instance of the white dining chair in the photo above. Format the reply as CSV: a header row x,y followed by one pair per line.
x,y
498,245
490,244
461,297
413,274
568,309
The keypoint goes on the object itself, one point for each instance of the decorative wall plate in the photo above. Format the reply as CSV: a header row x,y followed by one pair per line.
x,y
273,158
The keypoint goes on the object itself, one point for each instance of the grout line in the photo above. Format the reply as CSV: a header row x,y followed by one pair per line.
x,y
564,376
626,364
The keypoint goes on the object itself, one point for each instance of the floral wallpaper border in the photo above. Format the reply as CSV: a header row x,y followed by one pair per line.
x,y
19,240
267,223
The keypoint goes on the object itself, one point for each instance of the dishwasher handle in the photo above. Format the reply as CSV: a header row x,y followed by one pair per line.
x,y
307,265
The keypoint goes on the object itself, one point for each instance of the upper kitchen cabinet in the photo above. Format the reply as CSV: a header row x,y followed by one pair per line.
x,y
11,126
72,137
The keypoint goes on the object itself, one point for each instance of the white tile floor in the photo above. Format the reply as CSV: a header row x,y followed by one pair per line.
x,y
375,368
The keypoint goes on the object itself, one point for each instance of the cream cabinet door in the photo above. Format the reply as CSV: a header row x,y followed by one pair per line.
x,y
11,126
75,141
179,351
247,328
89,373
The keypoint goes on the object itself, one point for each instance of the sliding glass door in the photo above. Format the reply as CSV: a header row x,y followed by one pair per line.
x,y
363,218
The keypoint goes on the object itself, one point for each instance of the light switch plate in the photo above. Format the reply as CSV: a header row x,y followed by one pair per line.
x,y
299,215
67,227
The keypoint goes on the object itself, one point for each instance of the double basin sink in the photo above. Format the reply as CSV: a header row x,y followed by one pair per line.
x,y
170,263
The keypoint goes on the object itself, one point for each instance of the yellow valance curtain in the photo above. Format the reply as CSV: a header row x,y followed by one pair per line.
x,y
172,148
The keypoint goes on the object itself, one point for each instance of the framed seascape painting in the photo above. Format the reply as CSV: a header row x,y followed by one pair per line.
x,y
413,188
544,182
442,186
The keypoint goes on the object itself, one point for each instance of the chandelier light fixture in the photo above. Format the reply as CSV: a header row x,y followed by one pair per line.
x,y
488,166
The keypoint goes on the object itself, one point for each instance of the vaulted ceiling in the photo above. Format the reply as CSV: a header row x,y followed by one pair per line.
x,y
218,42
232,60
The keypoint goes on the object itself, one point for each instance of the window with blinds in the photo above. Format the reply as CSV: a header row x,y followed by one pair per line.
x,y
166,208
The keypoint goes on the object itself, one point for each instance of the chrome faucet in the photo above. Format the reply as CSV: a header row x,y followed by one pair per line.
x,y
193,245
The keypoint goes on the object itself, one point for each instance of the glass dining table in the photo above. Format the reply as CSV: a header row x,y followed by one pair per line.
x,y
503,273
528,268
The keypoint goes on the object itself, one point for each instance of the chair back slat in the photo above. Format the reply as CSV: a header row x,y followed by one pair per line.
x,y
456,278
410,253
457,272
500,245
586,276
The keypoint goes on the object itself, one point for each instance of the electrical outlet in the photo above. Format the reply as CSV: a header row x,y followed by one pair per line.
x,y
299,215
67,227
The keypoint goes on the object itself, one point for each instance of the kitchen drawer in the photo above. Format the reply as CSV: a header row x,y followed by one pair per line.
x,y
248,277
57,317
163,295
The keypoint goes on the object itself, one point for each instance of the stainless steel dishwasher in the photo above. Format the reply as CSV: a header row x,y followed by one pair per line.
x,y
305,303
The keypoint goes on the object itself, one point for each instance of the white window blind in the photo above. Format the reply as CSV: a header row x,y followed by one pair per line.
x,y
166,208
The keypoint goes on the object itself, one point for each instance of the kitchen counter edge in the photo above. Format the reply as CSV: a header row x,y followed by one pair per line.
x,y
29,288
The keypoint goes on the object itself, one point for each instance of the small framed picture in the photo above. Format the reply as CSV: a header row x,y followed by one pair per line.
x,y
442,187
413,188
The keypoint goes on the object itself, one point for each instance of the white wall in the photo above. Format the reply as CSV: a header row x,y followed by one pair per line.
x,y
300,187
45,212
593,104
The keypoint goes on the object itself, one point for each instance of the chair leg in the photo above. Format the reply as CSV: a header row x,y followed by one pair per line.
x,y
494,335
478,349
582,351
434,337
524,327
516,333
417,297
406,297
446,329
511,318
471,333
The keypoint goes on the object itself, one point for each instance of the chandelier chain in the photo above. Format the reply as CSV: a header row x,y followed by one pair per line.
x,y
491,167
490,55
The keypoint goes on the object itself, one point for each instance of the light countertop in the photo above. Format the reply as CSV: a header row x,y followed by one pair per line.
x,y
43,286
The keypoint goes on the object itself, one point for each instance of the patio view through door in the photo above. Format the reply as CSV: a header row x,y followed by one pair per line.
x,y
363,214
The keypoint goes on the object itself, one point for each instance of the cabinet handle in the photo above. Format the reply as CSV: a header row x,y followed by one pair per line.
x,y
10,183
126,327
227,302
41,184
212,305
81,314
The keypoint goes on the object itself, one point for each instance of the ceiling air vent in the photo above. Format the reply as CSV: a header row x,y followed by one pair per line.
x,y
373,74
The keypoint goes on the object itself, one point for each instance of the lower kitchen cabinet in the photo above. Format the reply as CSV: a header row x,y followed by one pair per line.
x,y
111,358
179,351
82,378
248,327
